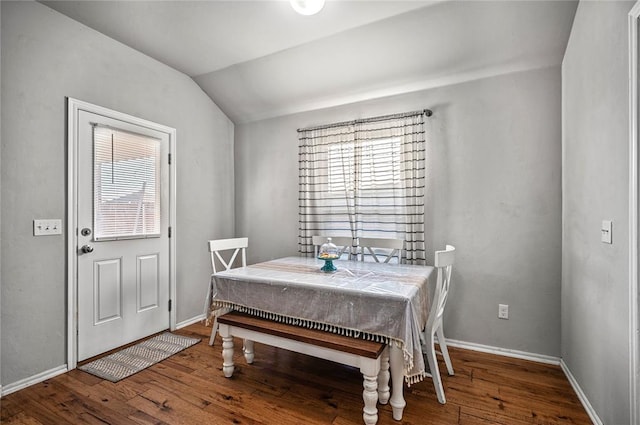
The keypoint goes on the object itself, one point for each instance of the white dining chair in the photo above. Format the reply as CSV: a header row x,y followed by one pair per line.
x,y
444,264
387,247
225,252
343,243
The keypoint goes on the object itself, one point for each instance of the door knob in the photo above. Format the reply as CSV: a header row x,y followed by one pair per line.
x,y
87,249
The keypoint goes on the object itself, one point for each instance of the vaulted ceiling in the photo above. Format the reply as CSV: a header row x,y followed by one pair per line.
x,y
259,59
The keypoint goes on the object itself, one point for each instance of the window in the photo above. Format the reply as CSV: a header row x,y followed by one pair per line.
x,y
378,165
126,191
364,179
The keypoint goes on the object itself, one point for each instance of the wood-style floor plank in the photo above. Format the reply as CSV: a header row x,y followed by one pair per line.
x,y
284,388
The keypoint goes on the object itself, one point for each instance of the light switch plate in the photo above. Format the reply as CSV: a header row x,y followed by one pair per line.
x,y
605,231
47,227
503,311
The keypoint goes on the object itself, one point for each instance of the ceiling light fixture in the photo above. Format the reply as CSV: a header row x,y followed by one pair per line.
x,y
307,7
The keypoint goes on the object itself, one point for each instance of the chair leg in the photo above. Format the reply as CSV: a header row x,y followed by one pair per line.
x,y
214,329
443,348
435,371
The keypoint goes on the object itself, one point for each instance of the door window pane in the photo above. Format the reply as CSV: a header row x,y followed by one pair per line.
x,y
126,185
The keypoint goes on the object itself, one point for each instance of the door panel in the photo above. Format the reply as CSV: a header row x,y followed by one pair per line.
x,y
148,282
123,248
107,280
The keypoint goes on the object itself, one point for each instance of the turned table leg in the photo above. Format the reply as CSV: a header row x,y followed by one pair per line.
x,y
383,378
396,361
248,350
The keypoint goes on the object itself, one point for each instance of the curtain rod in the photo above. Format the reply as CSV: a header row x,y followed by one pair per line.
x,y
426,112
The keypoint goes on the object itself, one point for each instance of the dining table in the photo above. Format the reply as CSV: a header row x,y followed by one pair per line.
x,y
376,301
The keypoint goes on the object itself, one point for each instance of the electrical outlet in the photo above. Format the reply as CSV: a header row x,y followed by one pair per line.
x,y
503,311
47,227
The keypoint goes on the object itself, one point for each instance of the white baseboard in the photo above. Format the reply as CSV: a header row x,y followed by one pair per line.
x,y
541,358
190,321
581,395
43,376
524,355
32,380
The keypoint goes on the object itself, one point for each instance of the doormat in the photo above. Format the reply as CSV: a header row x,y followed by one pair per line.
x,y
128,361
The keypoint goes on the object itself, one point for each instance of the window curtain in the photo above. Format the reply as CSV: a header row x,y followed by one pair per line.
x,y
364,178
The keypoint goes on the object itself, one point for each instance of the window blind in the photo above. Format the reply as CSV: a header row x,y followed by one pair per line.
x,y
126,185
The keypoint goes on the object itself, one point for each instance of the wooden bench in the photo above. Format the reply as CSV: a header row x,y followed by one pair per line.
x,y
372,358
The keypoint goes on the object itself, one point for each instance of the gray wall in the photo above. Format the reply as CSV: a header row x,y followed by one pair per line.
x,y
46,57
595,288
494,191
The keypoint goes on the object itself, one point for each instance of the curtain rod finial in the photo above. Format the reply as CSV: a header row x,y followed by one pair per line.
x,y
428,112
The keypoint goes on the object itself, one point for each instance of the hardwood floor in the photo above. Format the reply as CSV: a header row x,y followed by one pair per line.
x,y
283,388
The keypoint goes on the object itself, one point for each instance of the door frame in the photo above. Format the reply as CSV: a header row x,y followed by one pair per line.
x,y
74,106
634,223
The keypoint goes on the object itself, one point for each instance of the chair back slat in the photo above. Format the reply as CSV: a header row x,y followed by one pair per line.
x,y
445,258
218,246
394,246
444,263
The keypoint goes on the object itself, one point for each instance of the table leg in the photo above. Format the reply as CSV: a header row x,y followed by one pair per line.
x,y
248,351
396,361
227,351
383,378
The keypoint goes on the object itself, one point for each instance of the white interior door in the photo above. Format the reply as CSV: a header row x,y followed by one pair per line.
x,y
123,233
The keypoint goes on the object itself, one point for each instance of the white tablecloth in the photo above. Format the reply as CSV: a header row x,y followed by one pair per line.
x,y
385,302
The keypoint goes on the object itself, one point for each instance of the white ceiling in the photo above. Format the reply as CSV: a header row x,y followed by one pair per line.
x,y
259,59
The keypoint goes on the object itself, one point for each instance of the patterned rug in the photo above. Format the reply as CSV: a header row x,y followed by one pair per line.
x,y
128,361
